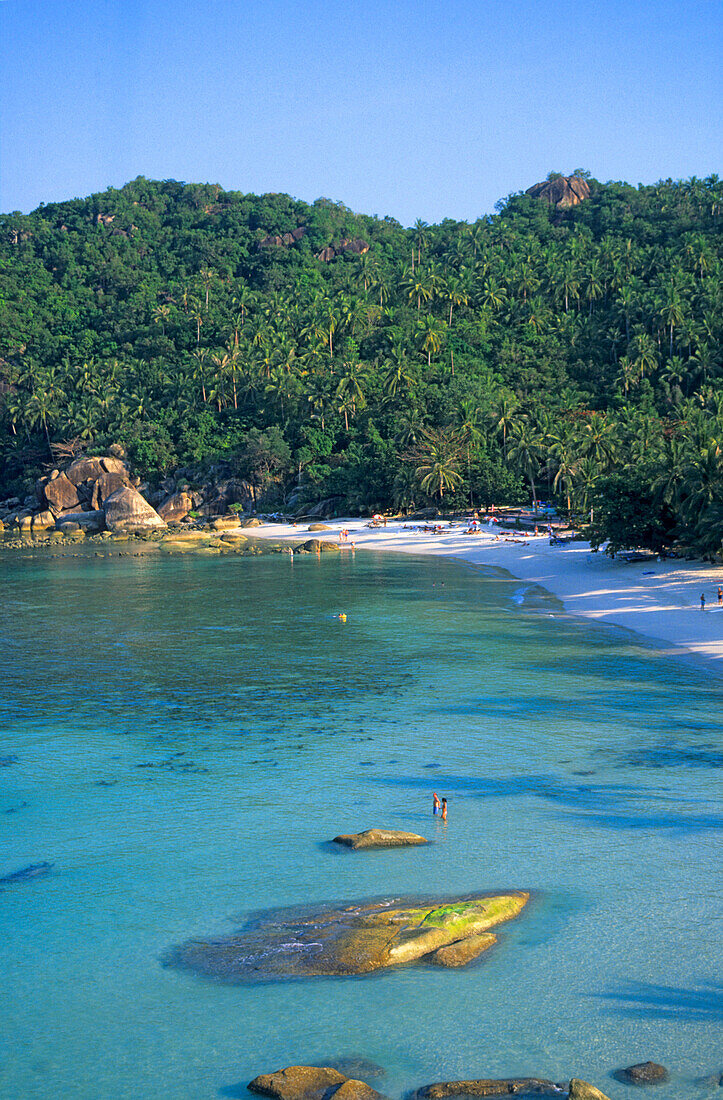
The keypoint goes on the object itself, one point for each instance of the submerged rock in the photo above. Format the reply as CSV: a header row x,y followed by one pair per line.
x,y
527,1086
26,874
355,938
380,838
643,1073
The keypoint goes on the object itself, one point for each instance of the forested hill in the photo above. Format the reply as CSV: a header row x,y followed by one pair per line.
x,y
567,351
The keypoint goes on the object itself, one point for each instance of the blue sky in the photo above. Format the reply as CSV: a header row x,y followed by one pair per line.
x,y
413,108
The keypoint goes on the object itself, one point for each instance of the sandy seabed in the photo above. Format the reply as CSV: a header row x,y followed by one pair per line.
x,y
659,599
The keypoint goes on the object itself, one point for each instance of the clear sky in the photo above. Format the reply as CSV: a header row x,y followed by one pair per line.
x,y
414,108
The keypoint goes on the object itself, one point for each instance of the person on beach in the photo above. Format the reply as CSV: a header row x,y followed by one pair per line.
x,y
702,601
436,804
444,809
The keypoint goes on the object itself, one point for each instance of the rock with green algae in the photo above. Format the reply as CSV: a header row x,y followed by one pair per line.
x,y
355,938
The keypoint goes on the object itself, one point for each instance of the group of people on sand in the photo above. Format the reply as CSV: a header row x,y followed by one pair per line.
x,y
439,807
720,598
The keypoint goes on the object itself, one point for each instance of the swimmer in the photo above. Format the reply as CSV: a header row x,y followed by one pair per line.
x,y
436,804
444,809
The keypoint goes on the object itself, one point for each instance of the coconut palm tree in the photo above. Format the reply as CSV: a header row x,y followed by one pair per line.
x,y
524,452
436,461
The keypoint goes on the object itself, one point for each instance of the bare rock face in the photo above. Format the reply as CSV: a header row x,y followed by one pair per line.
x,y
61,495
126,510
352,938
380,838
562,192
175,507
106,485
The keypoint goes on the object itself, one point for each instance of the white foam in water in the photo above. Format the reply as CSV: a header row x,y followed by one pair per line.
x,y
576,763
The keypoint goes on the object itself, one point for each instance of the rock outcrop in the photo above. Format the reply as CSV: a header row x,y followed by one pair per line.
x,y
355,245
562,192
380,838
356,938
106,485
60,494
175,507
126,510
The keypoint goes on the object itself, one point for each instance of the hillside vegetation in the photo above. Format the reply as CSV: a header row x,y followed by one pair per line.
x,y
571,353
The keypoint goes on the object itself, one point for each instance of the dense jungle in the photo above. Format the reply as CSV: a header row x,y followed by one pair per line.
x,y
563,349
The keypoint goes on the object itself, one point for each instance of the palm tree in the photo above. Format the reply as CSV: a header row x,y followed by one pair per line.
x,y
454,291
350,385
199,370
397,370
503,416
599,441
430,332
524,452
160,316
564,454
436,461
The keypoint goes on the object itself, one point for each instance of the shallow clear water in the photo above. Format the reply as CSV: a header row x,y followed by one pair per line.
x,y
579,763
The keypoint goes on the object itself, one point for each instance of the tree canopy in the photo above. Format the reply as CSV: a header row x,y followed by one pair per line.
x,y
534,353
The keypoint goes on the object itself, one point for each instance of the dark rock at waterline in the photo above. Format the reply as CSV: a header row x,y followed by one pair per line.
x,y
312,1083
355,938
519,1086
380,838
26,874
643,1073
315,546
361,1069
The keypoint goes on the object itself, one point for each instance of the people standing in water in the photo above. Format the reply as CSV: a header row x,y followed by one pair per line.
x,y
444,809
436,804
720,596
702,601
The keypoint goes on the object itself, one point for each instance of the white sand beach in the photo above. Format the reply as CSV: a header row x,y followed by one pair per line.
x,y
659,599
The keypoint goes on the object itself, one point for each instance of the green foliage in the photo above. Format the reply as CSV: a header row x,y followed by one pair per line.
x,y
542,352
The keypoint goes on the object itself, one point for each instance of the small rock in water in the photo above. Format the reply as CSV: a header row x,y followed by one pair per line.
x,y
7,761
582,1090
712,1081
312,1083
380,838
643,1073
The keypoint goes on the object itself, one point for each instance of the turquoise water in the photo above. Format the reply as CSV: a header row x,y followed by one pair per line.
x,y
188,733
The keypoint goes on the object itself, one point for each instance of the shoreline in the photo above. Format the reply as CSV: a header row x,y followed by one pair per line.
x,y
659,600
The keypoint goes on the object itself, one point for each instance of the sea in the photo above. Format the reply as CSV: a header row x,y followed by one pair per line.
x,y
180,738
